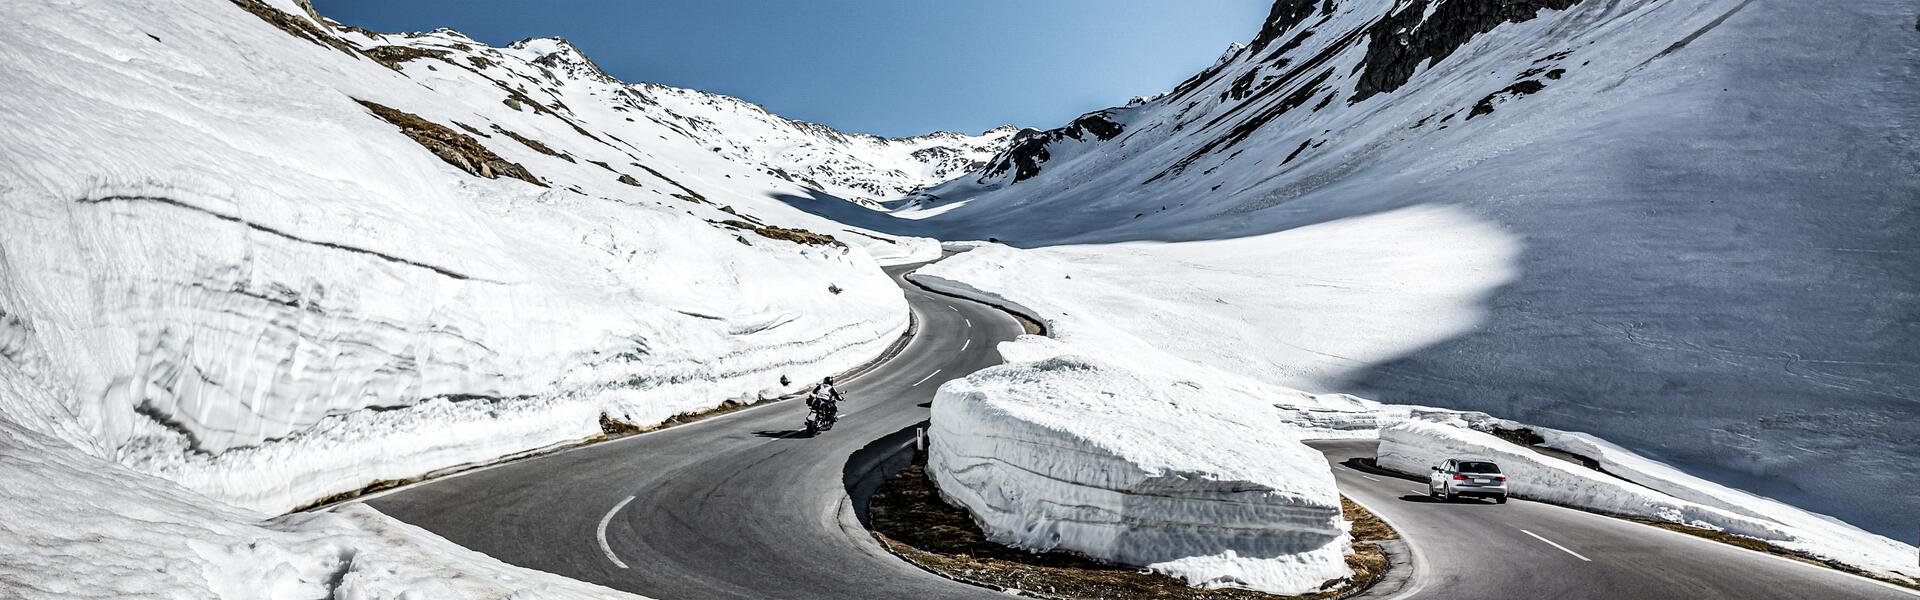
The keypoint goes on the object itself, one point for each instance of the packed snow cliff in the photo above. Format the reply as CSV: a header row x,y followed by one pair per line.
x,y
1685,227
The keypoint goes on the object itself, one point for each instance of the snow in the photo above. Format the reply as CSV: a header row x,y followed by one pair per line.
x,y
1635,486
1688,243
75,526
1071,454
228,289
1213,324
1415,446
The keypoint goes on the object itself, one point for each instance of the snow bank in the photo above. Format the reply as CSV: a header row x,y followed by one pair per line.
x,y
1811,533
1636,486
74,526
1416,446
1071,454
220,268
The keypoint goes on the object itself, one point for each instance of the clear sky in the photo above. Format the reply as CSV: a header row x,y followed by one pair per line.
x,y
891,67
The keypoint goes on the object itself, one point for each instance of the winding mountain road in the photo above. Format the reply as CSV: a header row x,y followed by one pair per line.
x,y
737,506
744,506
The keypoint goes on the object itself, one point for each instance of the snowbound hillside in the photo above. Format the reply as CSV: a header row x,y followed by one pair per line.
x,y
1144,339
267,260
1709,206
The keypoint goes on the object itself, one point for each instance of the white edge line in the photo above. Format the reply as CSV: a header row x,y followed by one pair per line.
x,y
924,379
602,532
1550,543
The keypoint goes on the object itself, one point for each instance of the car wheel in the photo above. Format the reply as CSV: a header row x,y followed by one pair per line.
x,y
1501,499
1450,496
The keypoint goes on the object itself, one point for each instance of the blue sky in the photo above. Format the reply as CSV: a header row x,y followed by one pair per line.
x,y
891,67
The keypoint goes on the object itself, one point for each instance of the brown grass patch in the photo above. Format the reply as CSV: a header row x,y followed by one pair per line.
x,y
910,519
458,149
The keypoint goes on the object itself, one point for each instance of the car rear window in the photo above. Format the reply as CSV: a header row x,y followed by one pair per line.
x,y
1478,467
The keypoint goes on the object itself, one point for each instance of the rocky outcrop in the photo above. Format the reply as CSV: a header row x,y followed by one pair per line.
x,y
458,149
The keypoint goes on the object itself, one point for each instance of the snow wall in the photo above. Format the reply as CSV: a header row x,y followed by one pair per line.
x,y
1071,454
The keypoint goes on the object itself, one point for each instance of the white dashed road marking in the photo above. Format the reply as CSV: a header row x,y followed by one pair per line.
x,y
924,379
1562,548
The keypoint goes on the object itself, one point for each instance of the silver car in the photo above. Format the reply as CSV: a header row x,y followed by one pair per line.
x,y
1468,478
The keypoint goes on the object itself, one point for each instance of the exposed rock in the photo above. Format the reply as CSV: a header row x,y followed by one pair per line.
x,y
1402,41
392,56
458,149
1029,147
295,26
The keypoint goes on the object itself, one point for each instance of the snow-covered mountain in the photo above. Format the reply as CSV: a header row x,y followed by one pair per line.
x,y
859,167
251,258
1684,226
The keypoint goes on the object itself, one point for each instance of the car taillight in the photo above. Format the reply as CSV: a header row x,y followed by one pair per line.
x,y
1459,477
1500,478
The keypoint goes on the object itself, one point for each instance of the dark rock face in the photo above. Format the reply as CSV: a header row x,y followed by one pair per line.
x,y
1399,43
1283,16
1029,148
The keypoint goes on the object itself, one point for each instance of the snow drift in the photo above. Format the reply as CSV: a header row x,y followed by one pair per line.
x,y
1070,454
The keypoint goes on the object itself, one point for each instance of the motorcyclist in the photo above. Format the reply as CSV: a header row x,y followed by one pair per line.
x,y
823,407
825,396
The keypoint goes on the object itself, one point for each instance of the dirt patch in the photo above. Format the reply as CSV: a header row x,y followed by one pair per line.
x,y
458,149
294,26
911,520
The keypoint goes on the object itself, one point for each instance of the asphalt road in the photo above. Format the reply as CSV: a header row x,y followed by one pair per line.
x,y
1530,551
744,506
739,506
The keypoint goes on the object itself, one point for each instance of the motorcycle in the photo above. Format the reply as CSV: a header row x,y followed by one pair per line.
x,y
821,416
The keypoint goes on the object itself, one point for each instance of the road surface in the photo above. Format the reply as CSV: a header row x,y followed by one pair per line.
x,y
743,506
